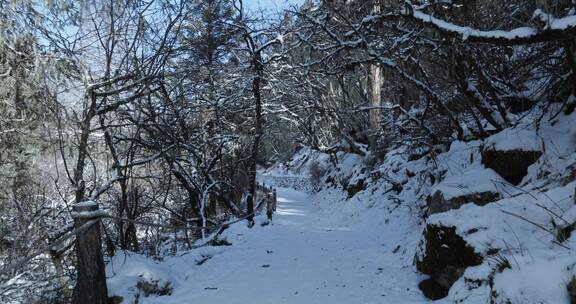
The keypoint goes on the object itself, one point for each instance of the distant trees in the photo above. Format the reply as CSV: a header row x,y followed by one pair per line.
x,y
25,119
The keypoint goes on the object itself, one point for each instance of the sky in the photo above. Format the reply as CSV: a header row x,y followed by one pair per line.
x,y
273,5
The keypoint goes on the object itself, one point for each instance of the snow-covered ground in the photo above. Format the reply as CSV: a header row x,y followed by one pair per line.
x,y
306,256
356,237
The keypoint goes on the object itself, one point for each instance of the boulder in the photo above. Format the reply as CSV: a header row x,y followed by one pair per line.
x,y
517,105
353,188
445,258
432,290
512,165
437,203
572,290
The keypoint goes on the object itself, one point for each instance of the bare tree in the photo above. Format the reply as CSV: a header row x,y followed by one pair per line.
x,y
117,55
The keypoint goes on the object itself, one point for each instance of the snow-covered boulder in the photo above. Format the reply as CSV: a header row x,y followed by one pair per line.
x,y
437,202
466,182
445,258
512,165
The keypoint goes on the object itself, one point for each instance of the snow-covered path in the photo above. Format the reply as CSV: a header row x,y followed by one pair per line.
x,y
303,257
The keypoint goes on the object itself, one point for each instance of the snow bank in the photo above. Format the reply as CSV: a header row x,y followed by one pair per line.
x,y
126,270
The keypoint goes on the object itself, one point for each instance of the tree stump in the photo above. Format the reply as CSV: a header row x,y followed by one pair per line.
x,y
91,283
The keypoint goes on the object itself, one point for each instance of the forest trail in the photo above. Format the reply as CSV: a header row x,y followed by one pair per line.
x,y
302,257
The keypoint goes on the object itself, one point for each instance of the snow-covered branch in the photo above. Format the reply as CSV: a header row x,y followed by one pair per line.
x,y
551,29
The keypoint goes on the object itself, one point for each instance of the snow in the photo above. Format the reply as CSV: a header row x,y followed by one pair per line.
x,y
537,281
472,179
89,214
556,139
515,139
495,225
465,31
552,23
304,256
328,246
555,23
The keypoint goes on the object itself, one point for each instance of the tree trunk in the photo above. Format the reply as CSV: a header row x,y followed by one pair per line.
x,y
256,86
91,284
374,93
375,96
